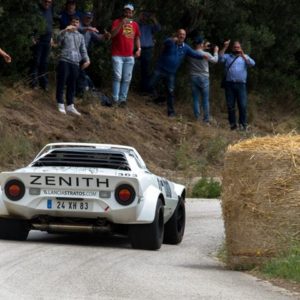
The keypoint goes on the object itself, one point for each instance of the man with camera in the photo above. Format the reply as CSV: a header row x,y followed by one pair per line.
x,y
199,72
125,34
236,66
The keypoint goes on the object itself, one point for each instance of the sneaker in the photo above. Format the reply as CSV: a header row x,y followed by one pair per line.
x,y
171,115
122,104
245,128
71,109
61,108
233,127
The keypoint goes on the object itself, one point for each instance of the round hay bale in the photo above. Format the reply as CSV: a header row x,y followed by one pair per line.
x,y
261,198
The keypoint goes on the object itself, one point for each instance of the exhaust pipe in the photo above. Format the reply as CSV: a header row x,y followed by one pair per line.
x,y
56,227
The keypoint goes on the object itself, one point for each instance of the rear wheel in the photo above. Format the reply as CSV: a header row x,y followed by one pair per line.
x,y
149,236
14,229
174,228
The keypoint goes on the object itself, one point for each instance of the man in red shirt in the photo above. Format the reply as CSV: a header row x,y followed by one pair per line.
x,y
125,34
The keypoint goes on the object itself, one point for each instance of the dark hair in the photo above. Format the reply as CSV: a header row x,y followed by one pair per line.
x,y
74,18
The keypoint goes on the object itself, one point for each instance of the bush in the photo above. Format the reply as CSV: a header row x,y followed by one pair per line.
x,y
205,188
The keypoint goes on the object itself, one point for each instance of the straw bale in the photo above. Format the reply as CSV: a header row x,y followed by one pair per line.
x,y
261,198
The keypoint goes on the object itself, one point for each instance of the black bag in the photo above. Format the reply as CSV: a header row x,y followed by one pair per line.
x,y
105,100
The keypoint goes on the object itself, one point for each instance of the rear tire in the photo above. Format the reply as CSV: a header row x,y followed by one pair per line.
x,y
14,229
149,236
174,228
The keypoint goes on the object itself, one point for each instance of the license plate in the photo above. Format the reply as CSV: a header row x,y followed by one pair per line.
x,y
69,205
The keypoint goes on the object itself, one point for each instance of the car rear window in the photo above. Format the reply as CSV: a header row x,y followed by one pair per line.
x,y
93,158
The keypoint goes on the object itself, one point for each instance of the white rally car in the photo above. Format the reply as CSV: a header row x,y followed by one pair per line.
x,y
80,187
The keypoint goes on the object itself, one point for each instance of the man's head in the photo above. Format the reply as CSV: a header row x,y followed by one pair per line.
x,y
145,15
236,47
46,4
75,21
199,41
71,6
87,18
181,35
128,11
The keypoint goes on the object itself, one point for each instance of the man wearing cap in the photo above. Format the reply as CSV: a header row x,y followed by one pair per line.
x,y
236,66
91,35
149,25
125,35
173,53
199,72
41,48
68,13
73,51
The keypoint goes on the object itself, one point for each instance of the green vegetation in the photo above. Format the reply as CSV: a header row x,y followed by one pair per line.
x,y
206,188
254,23
287,266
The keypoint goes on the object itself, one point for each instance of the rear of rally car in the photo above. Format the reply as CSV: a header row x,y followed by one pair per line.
x,y
64,202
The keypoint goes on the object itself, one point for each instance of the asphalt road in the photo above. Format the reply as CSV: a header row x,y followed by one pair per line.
x,y
75,267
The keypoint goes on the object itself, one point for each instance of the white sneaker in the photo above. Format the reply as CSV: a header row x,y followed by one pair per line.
x,y
61,108
71,109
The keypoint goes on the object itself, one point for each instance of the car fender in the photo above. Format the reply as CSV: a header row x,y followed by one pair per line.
x,y
147,207
3,210
179,189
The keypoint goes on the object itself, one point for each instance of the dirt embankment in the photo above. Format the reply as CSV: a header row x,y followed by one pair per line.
x,y
173,147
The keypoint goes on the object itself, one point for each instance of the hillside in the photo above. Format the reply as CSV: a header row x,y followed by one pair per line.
x,y
176,147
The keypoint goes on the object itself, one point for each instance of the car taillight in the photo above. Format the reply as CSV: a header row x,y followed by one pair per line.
x,y
125,194
14,189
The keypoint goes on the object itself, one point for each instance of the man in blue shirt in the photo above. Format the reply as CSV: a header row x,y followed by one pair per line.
x,y
236,66
41,48
91,35
67,14
173,53
149,25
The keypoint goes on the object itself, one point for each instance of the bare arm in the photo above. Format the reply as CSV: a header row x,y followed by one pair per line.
x,y
115,30
5,55
225,47
138,46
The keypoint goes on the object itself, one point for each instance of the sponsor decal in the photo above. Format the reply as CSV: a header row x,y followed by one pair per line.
x,y
68,181
70,193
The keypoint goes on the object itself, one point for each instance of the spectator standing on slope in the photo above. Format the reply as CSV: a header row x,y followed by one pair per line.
x,y
41,48
236,69
125,35
199,72
73,51
173,54
91,35
149,25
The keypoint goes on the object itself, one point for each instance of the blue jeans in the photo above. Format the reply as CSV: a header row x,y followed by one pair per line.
x,y
170,82
122,73
39,66
200,87
145,64
67,74
84,82
236,92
